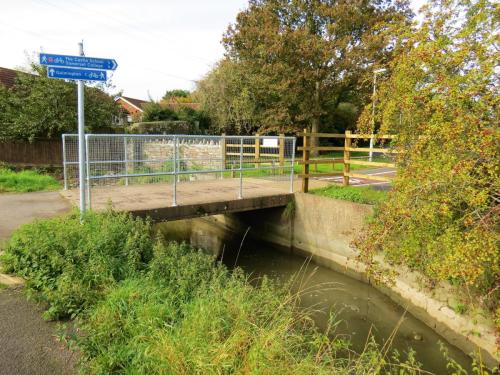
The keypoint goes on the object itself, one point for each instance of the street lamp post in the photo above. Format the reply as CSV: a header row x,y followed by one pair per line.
x,y
375,72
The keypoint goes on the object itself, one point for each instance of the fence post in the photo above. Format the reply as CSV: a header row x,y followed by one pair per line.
x,y
282,152
174,192
125,158
65,171
240,194
347,157
257,148
371,148
292,165
223,153
305,159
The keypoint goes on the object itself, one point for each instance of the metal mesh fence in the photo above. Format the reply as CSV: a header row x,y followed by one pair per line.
x,y
146,159
70,160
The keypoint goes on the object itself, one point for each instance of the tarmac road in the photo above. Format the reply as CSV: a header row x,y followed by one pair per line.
x,y
28,345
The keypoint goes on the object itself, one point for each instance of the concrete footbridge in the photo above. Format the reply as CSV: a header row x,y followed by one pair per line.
x,y
170,177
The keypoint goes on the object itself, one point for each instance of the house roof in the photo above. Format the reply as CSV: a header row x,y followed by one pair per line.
x,y
8,77
137,103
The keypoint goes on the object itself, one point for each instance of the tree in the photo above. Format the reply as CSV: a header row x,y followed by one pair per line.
x,y
300,59
38,106
225,97
153,111
442,101
176,93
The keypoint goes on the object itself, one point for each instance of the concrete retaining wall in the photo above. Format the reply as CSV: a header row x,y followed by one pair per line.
x,y
323,228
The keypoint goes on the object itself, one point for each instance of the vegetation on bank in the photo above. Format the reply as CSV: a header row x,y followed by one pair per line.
x,y
441,98
145,306
26,181
362,194
37,106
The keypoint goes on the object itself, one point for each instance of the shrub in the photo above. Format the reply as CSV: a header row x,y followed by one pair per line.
x,y
70,265
442,217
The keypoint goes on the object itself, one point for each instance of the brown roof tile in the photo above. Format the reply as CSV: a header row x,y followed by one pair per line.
x,y
136,102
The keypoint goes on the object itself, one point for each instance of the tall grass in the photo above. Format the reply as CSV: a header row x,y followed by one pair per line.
x,y
26,181
362,194
189,315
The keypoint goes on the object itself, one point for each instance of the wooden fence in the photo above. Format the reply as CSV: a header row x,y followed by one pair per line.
x,y
39,153
256,152
347,159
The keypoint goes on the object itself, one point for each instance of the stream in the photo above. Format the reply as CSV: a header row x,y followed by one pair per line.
x,y
361,309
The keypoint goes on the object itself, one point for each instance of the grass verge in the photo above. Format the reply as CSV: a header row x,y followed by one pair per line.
x,y
26,181
363,194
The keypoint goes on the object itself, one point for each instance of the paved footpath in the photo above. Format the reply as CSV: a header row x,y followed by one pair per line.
x,y
27,343
17,209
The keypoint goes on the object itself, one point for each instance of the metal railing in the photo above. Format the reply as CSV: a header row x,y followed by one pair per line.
x,y
130,159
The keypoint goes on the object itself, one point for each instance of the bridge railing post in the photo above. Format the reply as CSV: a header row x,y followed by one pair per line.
x,y
65,168
174,192
240,194
281,155
125,158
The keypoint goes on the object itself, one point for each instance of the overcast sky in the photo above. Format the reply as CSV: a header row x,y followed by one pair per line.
x,y
158,44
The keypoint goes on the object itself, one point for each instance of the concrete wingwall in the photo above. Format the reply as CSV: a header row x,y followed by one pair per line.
x,y
323,228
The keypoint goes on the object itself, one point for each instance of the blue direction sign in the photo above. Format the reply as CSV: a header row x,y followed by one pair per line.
x,y
76,74
78,62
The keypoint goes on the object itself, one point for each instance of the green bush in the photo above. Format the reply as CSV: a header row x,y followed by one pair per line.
x,y
25,181
70,265
441,218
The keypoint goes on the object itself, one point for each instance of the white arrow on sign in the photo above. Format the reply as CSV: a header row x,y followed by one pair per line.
x,y
51,71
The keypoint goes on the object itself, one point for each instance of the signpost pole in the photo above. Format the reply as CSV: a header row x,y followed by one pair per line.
x,y
81,141
79,68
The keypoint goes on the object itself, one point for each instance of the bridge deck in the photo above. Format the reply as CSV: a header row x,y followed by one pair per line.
x,y
194,199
